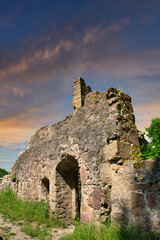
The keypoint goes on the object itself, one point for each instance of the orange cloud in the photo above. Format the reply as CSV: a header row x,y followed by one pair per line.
x,y
20,127
13,136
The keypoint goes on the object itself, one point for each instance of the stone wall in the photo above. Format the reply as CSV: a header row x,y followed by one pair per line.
x,y
135,192
81,163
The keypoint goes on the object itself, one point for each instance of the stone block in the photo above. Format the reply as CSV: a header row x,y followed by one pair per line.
x,y
137,200
83,176
84,218
83,208
152,200
90,201
142,186
96,198
116,150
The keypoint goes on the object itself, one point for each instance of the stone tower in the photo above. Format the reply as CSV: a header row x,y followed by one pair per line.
x,y
80,91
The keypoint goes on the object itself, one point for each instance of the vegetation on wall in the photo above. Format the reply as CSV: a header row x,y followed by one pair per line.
x,y
152,149
3,172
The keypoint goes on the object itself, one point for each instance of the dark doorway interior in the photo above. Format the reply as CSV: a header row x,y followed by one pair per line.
x,y
68,189
44,188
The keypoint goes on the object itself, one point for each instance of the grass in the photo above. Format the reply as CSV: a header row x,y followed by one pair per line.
x,y
36,220
37,231
28,213
109,231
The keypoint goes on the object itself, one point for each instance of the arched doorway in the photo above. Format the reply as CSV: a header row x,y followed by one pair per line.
x,y
68,189
44,188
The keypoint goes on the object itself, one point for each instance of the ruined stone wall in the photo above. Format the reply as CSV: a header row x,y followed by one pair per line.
x,y
77,143
135,193
80,164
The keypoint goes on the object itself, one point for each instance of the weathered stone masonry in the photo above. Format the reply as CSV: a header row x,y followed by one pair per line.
x,y
80,164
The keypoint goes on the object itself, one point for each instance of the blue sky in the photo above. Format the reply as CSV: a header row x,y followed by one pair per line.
x,y
45,45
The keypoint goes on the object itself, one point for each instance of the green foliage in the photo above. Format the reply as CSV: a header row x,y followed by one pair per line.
x,y
135,154
13,178
3,172
156,180
17,210
109,231
153,132
135,178
120,93
95,99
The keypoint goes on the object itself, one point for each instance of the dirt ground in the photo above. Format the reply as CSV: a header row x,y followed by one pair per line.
x,y
12,231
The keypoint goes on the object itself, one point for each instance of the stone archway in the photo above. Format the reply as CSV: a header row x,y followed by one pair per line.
x,y
44,188
68,189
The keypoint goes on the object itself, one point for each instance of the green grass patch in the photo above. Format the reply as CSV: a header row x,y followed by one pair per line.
x,y
16,209
27,212
41,232
109,231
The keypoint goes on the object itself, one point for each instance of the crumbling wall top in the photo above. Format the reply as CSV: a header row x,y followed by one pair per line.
x,y
80,91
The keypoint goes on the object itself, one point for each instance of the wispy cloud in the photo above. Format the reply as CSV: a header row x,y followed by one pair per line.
x,y
118,25
96,47
57,56
20,92
30,59
69,53
98,33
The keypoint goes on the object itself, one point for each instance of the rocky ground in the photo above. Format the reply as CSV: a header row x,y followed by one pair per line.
x,y
12,231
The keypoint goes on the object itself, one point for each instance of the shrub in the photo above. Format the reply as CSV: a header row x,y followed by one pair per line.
x,y
153,132
3,172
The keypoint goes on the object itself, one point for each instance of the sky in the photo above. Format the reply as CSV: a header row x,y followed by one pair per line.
x,y
46,44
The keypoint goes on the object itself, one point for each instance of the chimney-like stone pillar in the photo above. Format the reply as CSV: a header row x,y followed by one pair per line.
x,y
80,91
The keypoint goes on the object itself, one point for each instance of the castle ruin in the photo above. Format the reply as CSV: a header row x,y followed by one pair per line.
x,y
83,166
